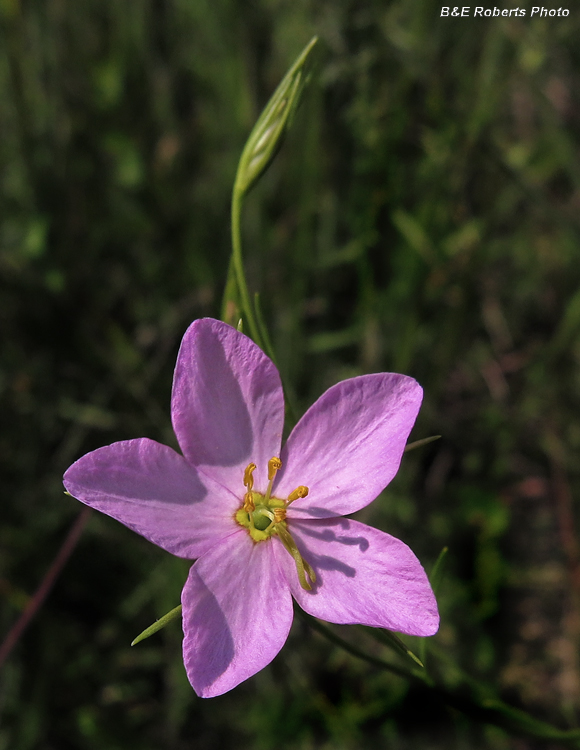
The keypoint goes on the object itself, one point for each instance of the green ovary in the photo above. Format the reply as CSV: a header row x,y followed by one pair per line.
x,y
260,522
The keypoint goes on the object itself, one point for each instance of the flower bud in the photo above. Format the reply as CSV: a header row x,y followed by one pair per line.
x,y
268,133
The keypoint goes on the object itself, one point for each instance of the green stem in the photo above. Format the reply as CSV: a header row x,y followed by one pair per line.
x,y
245,303
250,314
230,312
354,650
483,709
388,638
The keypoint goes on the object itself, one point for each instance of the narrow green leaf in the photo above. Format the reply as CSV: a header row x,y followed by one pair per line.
x,y
390,639
269,349
415,235
419,443
437,572
354,650
157,625
567,329
434,580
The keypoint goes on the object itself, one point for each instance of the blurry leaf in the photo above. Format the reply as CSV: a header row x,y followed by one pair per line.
x,y
87,414
437,571
332,340
55,281
129,169
568,328
126,355
108,80
464,239
348,253
35,238
415,235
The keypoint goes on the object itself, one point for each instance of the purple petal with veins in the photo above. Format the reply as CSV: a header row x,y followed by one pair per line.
x,y
227,410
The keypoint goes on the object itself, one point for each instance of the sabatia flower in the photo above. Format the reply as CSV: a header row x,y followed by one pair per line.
x,y
266,524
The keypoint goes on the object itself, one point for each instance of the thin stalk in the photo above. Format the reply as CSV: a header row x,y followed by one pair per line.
x,y
37,600
238,264
388,638
486,710
354,650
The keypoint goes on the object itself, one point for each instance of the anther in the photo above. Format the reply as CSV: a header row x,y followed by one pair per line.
x,y
279,515
249,504
248,478
301,491
273,465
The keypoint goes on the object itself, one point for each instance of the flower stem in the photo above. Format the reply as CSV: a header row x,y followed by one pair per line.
x,y
238,267
354,650
471,699
388,638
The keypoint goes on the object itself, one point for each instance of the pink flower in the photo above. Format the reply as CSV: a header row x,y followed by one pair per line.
x,y
265,525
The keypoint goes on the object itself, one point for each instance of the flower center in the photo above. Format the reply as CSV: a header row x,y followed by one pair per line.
x,y
265,516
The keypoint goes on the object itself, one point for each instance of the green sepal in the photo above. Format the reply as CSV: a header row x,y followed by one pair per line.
x,y
157,625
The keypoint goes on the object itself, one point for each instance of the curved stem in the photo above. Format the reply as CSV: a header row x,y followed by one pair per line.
x,y
251,314
245,302
354,650
484,709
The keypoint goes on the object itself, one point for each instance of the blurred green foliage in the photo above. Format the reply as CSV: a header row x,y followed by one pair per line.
x,y
423,217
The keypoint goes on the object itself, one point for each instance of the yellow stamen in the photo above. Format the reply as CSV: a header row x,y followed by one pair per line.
x,y
301,491
279,514
248,478
302,567
249,504
273,465
264,516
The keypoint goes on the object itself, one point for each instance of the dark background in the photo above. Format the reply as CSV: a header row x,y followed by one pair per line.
x,y
422,217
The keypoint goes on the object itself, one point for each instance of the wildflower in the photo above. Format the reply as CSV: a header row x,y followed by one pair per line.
x,y
266,524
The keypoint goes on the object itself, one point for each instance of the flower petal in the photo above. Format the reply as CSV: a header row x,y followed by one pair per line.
x,y
348,445
227,404
154,491
362,576
237,613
